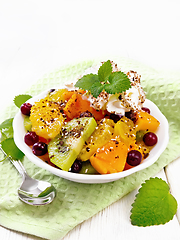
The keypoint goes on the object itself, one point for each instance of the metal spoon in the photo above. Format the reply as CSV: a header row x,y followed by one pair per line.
x,y
32,191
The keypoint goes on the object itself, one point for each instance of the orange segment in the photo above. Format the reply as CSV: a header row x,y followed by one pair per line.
x,y
125,130
58,95
68,94
77,105
46,118
62,95
111,158
146,121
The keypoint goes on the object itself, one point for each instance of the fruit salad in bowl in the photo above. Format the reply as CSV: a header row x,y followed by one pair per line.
x,y
99,129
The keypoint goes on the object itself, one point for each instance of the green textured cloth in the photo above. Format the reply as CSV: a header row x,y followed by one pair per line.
x,y
76,202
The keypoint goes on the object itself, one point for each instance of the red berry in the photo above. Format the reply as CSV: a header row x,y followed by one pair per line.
x,y
150,139
115,117
26,109
131,115
31,138
39,148
52,90
134,158
76,167
145,109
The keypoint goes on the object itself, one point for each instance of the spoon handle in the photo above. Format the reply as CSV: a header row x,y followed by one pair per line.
x,y
18,165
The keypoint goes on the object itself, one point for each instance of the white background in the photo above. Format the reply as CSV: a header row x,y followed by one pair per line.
x,y
37,37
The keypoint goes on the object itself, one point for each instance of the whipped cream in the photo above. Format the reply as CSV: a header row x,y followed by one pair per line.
x,y
114,105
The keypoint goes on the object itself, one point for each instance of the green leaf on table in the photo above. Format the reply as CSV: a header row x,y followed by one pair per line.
x,y
6,124
154,205
111,82
20,99
6,129
11,150
7,133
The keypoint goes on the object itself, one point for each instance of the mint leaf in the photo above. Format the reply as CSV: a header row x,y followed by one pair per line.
x,y
154,205
6,124
87,81
104,71
96,89
119,82
116,82
20,99
10,148
91,83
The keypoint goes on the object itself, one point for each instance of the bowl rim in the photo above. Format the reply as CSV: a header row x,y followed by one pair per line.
x,y
162,133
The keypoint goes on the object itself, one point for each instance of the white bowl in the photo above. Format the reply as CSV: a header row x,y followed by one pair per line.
x,y
162,134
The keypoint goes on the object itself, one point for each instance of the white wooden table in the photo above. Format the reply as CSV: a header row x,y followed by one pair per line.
x,y
38,36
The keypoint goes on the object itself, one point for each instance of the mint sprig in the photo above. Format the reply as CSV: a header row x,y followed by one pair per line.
x,y
111,82
154,205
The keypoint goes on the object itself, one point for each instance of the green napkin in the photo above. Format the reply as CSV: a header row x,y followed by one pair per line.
x,y
76,202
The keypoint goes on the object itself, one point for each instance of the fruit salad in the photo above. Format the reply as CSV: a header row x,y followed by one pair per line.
x,y
96,126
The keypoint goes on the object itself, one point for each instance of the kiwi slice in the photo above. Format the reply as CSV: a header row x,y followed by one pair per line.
x,y
27,124
103,133
66,146
87,168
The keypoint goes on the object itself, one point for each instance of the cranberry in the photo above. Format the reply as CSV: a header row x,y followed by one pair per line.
x,y
86,114
134,158
115,117
145,109
131,115
31,138
76,167
26,109
39,148
52,90
150,139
